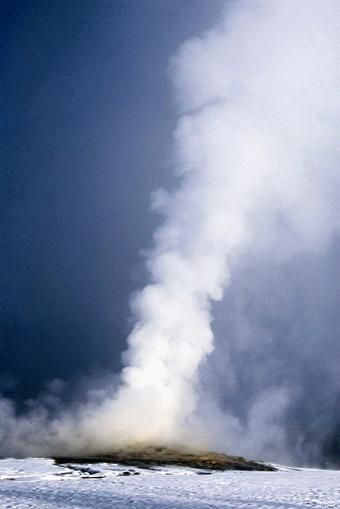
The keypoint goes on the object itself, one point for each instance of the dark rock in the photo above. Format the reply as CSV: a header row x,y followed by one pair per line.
x,y
148,456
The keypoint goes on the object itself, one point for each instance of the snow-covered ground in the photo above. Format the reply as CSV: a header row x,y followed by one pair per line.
x,y
38,483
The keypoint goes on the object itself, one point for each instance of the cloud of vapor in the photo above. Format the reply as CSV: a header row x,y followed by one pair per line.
x,y
260,104
257,165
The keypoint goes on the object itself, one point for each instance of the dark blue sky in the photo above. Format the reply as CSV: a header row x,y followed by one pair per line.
x,y
87,122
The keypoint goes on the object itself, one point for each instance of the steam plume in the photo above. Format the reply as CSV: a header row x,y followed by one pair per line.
x,y
257,165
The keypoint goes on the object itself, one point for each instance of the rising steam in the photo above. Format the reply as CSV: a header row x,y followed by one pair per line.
x,y
257,164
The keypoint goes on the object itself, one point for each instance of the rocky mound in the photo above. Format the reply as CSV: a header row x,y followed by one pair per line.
x,y
148,457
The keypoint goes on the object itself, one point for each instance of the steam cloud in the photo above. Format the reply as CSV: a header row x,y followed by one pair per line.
x,y
253,218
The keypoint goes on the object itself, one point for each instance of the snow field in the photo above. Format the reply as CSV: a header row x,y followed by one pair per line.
x,y
38,483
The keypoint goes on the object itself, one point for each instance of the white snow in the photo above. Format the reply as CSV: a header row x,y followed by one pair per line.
x,y
38,483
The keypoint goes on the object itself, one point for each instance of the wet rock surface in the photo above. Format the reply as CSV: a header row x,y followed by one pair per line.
x,y
148,457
